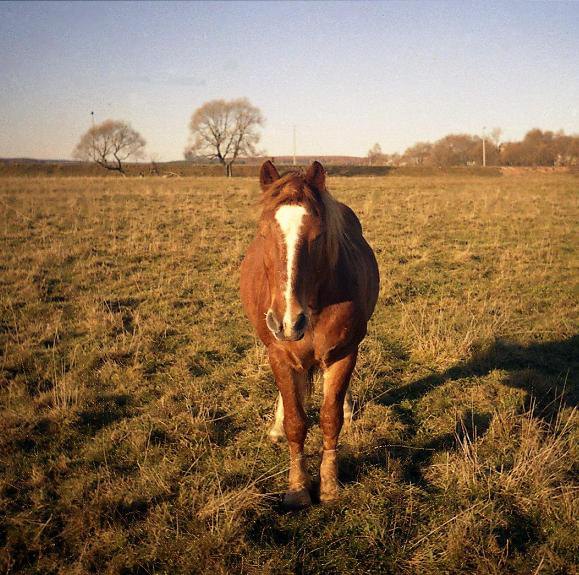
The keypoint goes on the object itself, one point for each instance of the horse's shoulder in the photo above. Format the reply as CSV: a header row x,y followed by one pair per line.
x,y
254,253
252,268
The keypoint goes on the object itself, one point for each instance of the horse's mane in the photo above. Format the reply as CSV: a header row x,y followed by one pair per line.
x,y
291,187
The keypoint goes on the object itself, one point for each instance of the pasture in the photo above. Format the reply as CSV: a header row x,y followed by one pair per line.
x,y
136,400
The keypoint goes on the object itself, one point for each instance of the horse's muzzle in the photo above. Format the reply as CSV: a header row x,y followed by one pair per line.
x,y
280,330
294,337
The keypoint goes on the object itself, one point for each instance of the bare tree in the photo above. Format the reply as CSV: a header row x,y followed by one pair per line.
x,y
542,148
223,130
419,155
110,144
375,155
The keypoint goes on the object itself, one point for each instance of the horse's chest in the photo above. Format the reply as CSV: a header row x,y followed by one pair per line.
x,y
340,328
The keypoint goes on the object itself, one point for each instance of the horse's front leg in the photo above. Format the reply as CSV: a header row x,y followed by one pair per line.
x,y
336,380
292,385
277,431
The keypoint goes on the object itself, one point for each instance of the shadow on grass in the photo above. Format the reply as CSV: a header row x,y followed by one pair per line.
x,y
105,410
548,372
548,361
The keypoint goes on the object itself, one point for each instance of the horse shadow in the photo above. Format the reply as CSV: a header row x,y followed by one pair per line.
x,y
548,372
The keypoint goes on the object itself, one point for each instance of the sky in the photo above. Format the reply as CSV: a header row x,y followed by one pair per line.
x,y
346,74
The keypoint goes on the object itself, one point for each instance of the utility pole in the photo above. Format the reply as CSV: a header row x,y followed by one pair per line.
x,y
484,148
294,127
92,132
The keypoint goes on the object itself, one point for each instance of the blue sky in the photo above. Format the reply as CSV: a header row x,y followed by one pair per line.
x,y
347,74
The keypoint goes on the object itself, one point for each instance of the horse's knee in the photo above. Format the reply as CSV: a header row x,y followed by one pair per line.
x,y
295,429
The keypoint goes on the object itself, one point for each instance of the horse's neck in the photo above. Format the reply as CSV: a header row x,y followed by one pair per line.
x,y
337,282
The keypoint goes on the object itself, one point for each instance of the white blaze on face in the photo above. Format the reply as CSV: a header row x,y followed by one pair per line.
x,y
290,219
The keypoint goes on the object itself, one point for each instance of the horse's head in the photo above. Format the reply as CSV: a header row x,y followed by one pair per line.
x,y
295,228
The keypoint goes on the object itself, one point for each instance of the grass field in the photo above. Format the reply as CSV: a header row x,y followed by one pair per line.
x,y
136,400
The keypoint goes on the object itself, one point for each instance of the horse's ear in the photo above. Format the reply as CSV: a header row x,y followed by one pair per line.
x,y
268,174
316,176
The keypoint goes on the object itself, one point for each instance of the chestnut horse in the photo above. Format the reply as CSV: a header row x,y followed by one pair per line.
x,y
309,284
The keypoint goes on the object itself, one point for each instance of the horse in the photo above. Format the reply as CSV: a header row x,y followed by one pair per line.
x,y
309,284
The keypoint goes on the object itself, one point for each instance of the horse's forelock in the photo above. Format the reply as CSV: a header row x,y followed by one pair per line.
x,y
290,188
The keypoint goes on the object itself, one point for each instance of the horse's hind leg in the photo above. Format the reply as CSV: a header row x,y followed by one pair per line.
x,y
277,432
336,380
348,410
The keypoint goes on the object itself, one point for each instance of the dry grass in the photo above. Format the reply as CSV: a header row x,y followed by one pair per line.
x,y
135,399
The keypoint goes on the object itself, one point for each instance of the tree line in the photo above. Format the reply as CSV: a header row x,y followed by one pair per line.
x,y
537,148
223,131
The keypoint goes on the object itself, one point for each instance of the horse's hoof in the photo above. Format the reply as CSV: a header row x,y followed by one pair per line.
x,y
329,495
277,437
297,499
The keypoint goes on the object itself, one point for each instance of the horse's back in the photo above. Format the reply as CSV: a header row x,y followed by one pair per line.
x,y
362,263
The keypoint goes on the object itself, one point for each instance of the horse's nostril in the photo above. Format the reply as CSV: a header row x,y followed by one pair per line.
x,y
272,322
300,322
